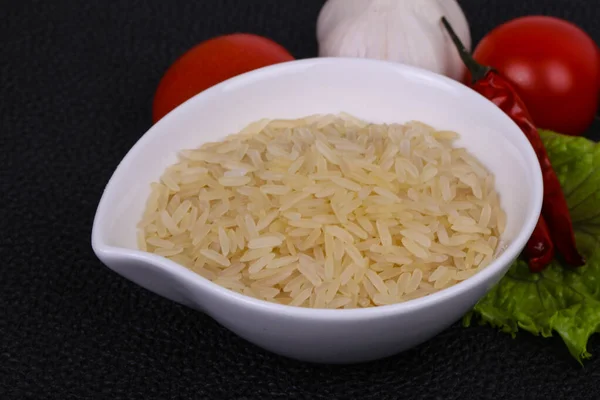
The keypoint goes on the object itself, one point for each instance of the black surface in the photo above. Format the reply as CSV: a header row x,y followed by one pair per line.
x,y
76,81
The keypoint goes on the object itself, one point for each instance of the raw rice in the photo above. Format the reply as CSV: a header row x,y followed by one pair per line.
x,y
327,211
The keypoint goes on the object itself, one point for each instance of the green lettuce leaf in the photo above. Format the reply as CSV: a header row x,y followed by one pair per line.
x,y
561,300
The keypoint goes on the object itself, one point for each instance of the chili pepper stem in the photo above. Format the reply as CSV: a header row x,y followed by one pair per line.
x,y
477,70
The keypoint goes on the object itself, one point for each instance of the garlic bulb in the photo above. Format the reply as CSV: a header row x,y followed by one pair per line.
x,y
405,31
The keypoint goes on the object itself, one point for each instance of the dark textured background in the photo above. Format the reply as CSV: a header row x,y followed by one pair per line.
x,y
76,81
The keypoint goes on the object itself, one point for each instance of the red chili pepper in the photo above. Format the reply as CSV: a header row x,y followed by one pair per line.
x,y
540,249
556,222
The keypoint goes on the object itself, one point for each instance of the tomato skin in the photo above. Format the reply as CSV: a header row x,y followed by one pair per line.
x,y
554,66
211,62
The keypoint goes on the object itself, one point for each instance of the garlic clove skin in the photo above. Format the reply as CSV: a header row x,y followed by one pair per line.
x,y
336,12
404,31
455,67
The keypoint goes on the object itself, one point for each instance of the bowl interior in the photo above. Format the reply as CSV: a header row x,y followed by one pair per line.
x,y
371,90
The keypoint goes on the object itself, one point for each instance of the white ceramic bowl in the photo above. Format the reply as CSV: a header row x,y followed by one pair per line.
x,y
375,91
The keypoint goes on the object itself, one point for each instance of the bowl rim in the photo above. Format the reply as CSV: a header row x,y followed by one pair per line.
x,y
105,251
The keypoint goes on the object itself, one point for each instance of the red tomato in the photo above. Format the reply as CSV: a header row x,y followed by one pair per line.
x,y
212,62
554,66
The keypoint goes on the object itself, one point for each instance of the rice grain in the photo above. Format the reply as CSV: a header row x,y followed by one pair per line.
x,y
328,212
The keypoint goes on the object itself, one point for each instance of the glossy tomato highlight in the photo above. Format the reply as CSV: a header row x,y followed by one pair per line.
x,y
212,62
554,66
